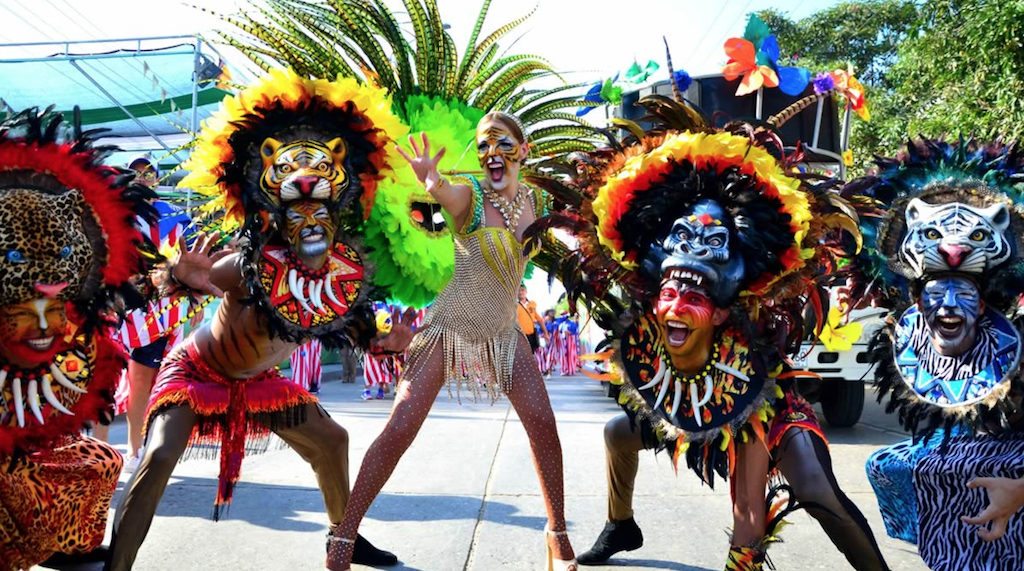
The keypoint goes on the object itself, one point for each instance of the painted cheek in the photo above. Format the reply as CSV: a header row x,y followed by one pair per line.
x,y
701,313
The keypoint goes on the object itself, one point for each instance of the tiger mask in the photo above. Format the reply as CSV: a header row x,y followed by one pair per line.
x,y
955,237
303,169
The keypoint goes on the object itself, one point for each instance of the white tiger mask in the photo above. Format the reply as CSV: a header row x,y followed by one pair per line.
x,y
955,237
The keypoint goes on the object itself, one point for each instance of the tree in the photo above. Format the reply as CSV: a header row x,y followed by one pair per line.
x,y
935,68
962,72
867,35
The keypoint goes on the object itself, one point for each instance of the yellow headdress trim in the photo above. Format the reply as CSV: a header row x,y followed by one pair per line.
x,y
213,151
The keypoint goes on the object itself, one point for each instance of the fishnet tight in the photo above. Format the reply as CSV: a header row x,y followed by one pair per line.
x,y
416,393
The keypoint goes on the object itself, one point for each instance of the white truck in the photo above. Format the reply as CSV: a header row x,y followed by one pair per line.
x,y
843,374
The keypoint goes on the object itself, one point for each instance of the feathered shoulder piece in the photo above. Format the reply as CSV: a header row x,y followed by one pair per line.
x,y
944,254
69,245
350,123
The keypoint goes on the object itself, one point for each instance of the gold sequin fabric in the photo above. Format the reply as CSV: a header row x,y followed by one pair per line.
x,y
473,320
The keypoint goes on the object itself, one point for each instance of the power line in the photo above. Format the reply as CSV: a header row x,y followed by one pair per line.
x,y
53,66
742,11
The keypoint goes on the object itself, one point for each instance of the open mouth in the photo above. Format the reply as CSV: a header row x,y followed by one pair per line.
x,y
950,326
495,169
677,333
41,344
312,235
427,215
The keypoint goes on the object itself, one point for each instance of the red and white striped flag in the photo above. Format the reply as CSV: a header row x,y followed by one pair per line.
x,y
306,366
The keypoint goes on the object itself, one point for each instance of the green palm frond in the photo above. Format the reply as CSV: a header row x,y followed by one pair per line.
x,y
477,57
364,39
477,26
508,80
547,105
401,51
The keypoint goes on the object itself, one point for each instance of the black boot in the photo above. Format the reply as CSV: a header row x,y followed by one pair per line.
x,y
617,536
59,559
364,553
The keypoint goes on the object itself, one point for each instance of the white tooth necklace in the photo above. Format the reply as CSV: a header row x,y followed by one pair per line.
x,y
28,390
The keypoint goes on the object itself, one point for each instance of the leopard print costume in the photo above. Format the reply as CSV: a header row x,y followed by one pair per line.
x,y
68,488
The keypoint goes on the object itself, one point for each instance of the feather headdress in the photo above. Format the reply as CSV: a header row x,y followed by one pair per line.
x,y
69,234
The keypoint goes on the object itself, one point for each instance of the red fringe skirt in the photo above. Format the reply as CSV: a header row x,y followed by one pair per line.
x,y
236,415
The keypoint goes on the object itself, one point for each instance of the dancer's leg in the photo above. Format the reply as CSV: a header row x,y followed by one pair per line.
x,y
415,395
804,460
529,398
140,384
748,492
324,444
169,432
623,443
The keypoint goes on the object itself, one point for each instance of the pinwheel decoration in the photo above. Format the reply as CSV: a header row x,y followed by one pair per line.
x,y
610,91
755,59
846,85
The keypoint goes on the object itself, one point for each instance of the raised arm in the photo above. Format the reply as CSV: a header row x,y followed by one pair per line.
x,y
196,268
456,199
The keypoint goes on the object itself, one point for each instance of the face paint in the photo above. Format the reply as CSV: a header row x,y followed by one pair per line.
x,y
687,318
951,307
310,230
499,153
699,245
31,333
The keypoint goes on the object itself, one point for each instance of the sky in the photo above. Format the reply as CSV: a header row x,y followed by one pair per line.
x,y
586,39
589,39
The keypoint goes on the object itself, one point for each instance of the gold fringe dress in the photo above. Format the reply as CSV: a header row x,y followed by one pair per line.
x,y
473,320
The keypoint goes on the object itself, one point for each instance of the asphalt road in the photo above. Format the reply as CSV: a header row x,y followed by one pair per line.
x,y
466,497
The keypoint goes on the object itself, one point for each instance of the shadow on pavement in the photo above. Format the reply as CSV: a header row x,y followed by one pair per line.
x,y
650,564
287,508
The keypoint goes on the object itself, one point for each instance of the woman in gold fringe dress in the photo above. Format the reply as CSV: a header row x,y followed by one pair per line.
x,y
470,337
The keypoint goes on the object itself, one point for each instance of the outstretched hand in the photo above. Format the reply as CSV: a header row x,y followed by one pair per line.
x,y
425,166
398,340
192,265
1005,497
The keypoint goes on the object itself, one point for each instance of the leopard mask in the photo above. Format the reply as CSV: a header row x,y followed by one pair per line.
x,y
46,248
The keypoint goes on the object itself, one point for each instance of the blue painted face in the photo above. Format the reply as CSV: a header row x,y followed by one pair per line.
x,y
699,243
951,307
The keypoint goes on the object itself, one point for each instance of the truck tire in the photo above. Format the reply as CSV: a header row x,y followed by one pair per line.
x,y
842,402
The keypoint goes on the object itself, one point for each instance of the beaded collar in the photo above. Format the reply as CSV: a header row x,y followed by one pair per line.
x,y
308,299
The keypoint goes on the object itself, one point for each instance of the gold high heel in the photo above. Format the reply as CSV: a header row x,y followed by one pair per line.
x,y
562,565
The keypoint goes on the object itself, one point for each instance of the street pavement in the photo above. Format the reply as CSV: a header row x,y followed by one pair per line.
x,y
466,496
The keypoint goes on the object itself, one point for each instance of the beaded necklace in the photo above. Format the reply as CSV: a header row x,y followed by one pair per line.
x,y
510,210
698,376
